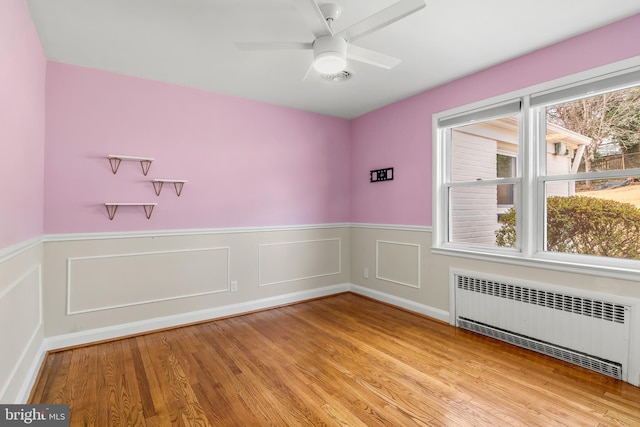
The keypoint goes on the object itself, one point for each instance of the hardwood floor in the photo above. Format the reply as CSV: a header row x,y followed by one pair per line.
x,y
343,360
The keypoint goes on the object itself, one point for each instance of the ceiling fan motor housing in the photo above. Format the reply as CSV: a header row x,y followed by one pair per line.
x,y
330,53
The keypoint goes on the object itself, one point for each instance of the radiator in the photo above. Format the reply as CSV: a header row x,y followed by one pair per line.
x,y
556,321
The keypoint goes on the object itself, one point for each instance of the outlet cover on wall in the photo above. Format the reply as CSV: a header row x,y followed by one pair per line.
x,y
234,285
366,273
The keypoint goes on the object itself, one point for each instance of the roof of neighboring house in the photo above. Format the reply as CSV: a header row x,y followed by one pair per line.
x,y
506,129
568,137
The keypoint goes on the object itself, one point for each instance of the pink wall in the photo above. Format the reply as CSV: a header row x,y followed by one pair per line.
x,y
252,164
247,163
399,135
22,79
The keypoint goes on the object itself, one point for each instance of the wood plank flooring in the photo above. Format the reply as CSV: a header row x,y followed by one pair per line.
x,y
343,360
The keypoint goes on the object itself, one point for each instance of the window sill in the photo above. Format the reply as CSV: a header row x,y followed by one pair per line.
x,y
617,271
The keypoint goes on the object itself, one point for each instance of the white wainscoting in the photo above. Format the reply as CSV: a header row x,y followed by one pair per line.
x,y
21,327
289,261
398,262
105,282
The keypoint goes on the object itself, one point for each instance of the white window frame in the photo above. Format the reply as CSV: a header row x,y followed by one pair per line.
x,y
494,111
530,250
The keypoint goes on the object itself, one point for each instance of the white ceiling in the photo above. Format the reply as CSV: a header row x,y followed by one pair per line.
x,y
191,43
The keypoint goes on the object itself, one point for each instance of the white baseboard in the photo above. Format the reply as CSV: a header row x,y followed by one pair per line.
x,y
32,374
111,332
436,313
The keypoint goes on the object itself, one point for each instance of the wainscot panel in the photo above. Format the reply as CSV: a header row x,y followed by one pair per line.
x,y
289,261
21,323
398,262
105,282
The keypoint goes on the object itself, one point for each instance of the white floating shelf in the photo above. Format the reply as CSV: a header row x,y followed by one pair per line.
x,y
177,184
112,207
115,159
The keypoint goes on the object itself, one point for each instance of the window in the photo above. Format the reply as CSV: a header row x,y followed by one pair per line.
x,y
549,175
482,180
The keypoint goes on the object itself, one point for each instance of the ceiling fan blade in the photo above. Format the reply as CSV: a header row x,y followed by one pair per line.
x,y
381,19
370,57
309,70
273,46
313,17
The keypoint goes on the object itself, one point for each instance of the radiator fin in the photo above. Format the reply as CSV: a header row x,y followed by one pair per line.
x,y
607,311
606,367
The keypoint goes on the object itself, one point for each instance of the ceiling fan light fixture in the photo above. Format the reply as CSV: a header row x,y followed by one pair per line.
x,y
330,54
329,63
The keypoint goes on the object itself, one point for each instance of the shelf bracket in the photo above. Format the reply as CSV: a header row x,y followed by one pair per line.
x,y
148,210
111,210
157,186
115,164
146,164
178,186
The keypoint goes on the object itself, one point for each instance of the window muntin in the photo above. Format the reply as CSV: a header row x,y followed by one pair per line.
x,y
554,167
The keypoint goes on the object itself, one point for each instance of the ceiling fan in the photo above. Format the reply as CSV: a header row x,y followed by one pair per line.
x,y
331,49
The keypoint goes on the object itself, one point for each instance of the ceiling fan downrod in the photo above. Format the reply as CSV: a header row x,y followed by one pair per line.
x,y
331,13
